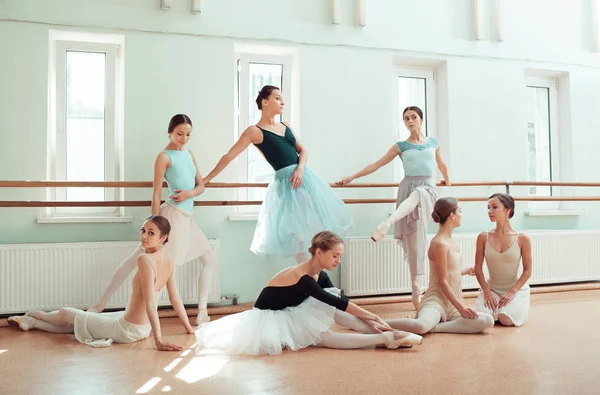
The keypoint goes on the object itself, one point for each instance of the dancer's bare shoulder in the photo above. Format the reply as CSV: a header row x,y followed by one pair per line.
x,y
439,247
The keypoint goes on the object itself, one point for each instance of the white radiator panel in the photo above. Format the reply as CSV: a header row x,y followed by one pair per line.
x,y
370,268
53,275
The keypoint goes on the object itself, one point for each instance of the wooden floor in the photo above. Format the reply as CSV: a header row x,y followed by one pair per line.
x,y
556,352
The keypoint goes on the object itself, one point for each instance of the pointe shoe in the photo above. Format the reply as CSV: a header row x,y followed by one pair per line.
x,y
404,342
381,231
23,322
202,317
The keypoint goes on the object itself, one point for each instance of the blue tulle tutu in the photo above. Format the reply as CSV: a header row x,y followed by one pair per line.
x,y
288,218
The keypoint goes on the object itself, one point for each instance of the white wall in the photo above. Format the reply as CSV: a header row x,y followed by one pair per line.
x,y
179,62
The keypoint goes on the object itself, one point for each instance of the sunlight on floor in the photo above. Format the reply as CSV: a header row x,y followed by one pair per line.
x,y
148,386
1,351
202,367
173,364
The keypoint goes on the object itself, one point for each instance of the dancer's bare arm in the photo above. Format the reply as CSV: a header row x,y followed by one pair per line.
x,y
147,278
373,320
177,303
442,166
389,156
251,135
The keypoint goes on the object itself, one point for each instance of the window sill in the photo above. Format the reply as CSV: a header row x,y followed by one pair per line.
x,y
552,213
82,219
243,217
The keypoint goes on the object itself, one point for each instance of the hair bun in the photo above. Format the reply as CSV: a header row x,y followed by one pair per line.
x,y
436,217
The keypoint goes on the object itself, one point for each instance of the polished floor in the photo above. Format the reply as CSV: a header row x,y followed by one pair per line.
x,y
556,352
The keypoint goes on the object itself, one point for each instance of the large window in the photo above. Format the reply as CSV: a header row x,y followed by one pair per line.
x,y
416,87
85,128
542,157
255,71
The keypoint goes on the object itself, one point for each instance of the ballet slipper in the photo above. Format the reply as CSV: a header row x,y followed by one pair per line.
x,y
23,322
395,340
202,317
381,231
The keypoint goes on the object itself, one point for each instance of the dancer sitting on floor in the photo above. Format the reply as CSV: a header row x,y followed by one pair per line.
x,y
155,270
505,295
293,311
442,308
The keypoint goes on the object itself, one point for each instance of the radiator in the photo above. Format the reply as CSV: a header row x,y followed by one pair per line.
x,y
559,257
53,275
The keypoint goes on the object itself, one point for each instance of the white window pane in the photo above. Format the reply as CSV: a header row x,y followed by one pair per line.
x,y
538,139
262,74
85,133
259,170
411,92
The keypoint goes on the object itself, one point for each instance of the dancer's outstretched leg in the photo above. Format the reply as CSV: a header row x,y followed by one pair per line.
x,y
348,341
26,323
428,319
406,207
58,321
466,325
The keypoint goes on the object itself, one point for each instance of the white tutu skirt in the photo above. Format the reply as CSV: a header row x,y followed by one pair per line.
x,y
256,332
289,218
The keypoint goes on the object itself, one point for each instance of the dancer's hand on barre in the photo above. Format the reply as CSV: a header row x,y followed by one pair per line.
x,y
489,300
468,313
468,271
345,181
165,346
296,178
181,196
446,183
506,299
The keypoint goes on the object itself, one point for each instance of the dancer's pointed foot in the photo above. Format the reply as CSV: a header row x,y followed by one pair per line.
x,y
23,322
381,231
202,317
402,339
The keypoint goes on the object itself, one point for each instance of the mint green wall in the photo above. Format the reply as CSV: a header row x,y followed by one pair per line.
x,y
178,62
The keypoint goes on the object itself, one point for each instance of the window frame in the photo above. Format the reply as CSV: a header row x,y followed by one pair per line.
x,y
112,46
554,140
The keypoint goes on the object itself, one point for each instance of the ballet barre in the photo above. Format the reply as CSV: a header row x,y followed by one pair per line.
x,y
204,203
148,203
148,184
